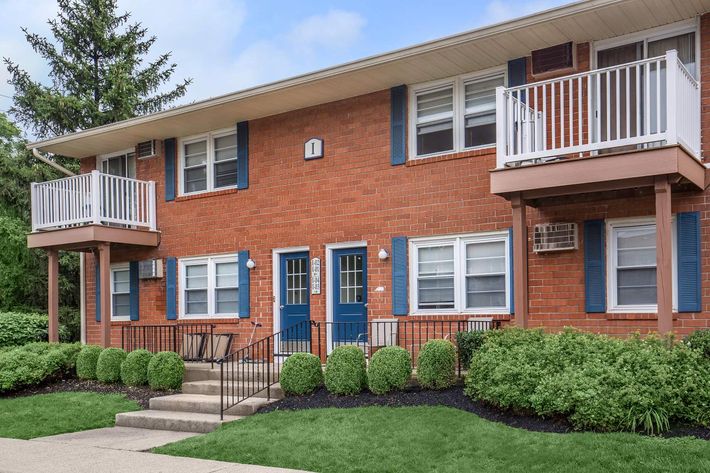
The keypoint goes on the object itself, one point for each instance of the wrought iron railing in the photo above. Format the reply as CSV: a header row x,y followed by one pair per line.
x,y
193,342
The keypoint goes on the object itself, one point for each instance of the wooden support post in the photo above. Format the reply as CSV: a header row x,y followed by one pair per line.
x,y
53,294
105,284
520,260
664,255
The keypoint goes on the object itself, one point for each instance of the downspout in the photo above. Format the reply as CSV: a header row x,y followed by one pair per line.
x,y
55,165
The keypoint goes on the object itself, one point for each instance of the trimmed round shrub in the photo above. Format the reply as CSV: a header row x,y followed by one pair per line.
x,y
134,370
19,368
108,367
165,371
390,369
699,340
436,364
86,361
345,371
301,374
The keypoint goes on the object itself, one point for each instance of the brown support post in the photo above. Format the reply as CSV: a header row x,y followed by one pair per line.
x,y
520,260
53,294
664,255
105,282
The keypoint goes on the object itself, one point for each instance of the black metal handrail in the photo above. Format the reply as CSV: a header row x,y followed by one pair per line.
x,y
193,342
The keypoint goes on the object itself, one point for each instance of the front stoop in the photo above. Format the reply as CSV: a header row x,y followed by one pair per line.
x,y
197,409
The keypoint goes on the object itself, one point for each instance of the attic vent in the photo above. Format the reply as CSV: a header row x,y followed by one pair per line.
x,y
150,269
554,58
554,237
145,149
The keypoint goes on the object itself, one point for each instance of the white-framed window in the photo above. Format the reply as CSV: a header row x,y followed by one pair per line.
x,y
208,162
631,263
454,114
120,292
119,163
460,274
209,286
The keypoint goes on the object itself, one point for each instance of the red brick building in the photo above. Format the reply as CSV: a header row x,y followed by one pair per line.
x,y
415,184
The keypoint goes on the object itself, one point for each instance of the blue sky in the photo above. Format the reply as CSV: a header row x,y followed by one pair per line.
x,y
227,45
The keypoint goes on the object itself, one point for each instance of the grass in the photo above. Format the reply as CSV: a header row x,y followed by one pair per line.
x,y
431,439
58,413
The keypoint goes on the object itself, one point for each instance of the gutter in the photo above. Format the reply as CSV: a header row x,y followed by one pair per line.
x,y
55,165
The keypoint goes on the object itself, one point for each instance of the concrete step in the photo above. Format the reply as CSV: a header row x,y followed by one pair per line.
x,y
172,420
205,404
238,371
211,387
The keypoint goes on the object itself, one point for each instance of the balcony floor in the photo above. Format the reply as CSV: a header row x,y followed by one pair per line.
x,y
625,170
89,236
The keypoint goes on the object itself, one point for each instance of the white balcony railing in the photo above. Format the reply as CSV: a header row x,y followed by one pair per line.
x,y
631,105
94,198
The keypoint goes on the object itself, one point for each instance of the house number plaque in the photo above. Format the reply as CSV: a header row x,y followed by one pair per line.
x,y
315,276
313,149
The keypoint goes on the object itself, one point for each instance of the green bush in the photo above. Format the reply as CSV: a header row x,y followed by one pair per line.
x,y
21,328
699,340
19,368
134,370
468,343
345,371
301,374
86,361
390,369
436,364
165,371
597,382
108,366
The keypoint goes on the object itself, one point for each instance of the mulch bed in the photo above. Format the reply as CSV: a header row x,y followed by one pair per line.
x,y
452,397
140,394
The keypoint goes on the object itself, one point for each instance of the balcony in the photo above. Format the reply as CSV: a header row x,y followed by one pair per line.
x,y
606,129
82,211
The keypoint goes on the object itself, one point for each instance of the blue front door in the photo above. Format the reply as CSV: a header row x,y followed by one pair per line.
x,y
295,296
350,295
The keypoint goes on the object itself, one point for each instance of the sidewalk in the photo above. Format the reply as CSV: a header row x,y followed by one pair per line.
x,y
20,456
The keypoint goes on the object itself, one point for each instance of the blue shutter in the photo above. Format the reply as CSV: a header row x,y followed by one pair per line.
x,y
594,266
170,148
689,285
398,120
242,155
511,267
171,288
134,296
517,73
97,284
400,304
243,284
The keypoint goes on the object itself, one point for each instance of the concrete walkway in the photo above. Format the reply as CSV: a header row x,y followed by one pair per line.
x,y
119,438
20,456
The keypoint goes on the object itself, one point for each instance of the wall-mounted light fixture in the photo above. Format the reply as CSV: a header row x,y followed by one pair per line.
x,y
251,264
383,254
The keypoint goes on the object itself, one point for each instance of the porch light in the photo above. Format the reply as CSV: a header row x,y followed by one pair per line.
x,y
383,254
251,264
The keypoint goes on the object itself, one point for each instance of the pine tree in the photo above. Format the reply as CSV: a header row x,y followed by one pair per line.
x,y
97,72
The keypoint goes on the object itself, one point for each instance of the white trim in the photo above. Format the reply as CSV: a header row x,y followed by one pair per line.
x,y
459,243
329,297
276,282
610,244
130,164
119,267
210,162
211,261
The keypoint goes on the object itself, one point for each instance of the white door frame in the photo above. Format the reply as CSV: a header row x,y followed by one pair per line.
x,y
329,297
276,281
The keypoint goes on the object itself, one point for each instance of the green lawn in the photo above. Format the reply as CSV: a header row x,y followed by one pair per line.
x,y
430,439
58,413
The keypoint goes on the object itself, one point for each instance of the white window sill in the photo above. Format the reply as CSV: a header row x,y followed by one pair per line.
x,y
206,191
121,319
421,312
453,151
208,316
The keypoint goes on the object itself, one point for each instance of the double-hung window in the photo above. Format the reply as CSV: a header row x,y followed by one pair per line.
x,y
208,162
454,115
210,287
120,292
462,274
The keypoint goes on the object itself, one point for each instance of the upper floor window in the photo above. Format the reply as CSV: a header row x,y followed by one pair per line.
x,y
454,115
210,286
122,163
208,162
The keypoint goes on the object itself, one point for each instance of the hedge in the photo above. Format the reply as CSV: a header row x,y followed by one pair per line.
x,y
597,382
134,370
699,340
34,363
21,328
468,343
108,366
345,371
165,371
86,361
301,374
436,364
390,369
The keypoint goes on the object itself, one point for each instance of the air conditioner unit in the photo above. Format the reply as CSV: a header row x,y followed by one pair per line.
x,y
146,149
554,237
150,269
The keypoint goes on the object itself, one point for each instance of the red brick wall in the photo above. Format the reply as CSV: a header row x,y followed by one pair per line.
x,y
354,194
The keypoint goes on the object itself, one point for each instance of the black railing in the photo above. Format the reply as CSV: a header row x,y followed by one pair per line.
x,y
193,342
257,367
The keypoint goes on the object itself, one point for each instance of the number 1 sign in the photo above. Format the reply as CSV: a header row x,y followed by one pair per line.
x,y
313,149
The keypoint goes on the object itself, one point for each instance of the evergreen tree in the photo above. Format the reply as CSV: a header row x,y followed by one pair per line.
x,y
97,72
